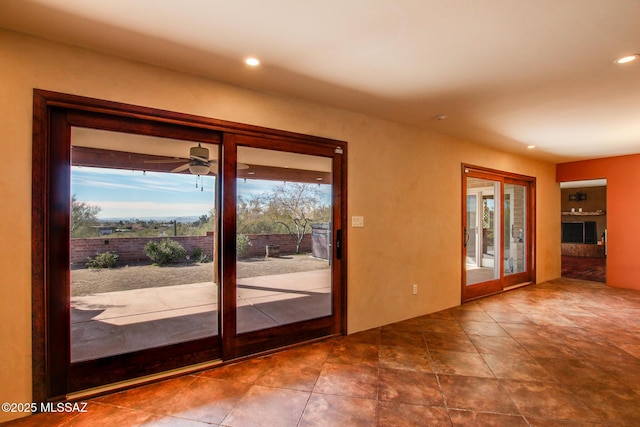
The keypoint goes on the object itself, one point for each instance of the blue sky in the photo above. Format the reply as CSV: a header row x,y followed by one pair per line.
x,y
133,194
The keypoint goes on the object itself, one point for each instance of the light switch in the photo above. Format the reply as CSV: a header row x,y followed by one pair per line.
x,y
357,221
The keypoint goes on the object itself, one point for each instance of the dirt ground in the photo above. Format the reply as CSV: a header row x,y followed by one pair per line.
x,y
86,281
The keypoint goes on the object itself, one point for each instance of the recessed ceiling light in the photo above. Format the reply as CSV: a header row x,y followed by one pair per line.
x,y
627,59
253,62
531,147
441,117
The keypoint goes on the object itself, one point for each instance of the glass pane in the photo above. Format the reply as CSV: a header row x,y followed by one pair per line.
x,y
284,214
515,211
483,241
142,243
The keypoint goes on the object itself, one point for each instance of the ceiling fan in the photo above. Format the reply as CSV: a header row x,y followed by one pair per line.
x,y
198,162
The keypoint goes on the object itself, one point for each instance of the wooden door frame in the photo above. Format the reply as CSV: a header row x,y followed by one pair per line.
x,y
502,283
50,154
238,345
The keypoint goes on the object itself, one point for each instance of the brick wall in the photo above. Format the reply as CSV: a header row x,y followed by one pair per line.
x,y
285,241
131,249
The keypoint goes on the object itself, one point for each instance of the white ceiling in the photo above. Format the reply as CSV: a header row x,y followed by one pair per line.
x,y
506,73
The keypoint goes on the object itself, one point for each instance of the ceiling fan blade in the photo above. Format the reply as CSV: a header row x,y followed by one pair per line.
x,y
181,168
202,159
174,160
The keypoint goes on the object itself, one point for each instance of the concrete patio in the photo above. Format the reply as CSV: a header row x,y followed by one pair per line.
x,y
106,324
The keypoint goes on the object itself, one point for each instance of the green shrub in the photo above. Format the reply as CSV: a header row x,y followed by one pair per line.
x,y
164,252
198,255
103,260
242,244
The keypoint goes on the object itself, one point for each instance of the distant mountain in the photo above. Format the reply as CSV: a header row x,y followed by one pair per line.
x,y
181,219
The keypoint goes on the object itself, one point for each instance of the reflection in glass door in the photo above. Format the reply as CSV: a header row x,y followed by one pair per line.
x,y
483,245
142,243
497,231
515,219
283,238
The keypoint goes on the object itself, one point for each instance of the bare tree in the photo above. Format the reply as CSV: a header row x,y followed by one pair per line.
x,y
295,206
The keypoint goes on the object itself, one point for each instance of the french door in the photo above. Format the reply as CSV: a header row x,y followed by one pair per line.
x,y
498,213
163,241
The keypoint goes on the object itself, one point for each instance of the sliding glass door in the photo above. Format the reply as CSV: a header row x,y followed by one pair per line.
x,y
284,284
164,241
497,230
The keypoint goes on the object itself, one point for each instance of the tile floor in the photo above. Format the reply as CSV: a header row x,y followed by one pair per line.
x,y
560,353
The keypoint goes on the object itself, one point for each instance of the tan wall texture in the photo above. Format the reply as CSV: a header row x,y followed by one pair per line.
x,y
405,182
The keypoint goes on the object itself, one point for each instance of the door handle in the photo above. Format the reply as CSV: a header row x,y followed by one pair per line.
x,y
338,244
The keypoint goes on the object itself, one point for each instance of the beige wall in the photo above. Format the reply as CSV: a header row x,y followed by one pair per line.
x,y
392,171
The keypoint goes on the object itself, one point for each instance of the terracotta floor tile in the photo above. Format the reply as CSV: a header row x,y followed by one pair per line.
x,y
407,358
99,415
627,373
291,374
613,405
517,367
497,345
548,401
49,419
542,347
348,380
370,336
354,353
549,318
450,342
602,353
313,354
245,372
409,325
411,387
175,422
442,326
267,406
541,422
146,397
497,304
458,363
468,418
574,371
402,338
471,315
403,415
476,394
509,317
329,410
205,400
489,329
631,348
442,314
522,330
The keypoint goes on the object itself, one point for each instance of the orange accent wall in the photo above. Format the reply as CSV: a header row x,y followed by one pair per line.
x,y
623,212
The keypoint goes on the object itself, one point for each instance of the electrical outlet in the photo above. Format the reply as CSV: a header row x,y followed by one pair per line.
x,y
415,289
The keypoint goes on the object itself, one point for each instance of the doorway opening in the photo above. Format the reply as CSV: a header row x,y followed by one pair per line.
x,y
584,229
